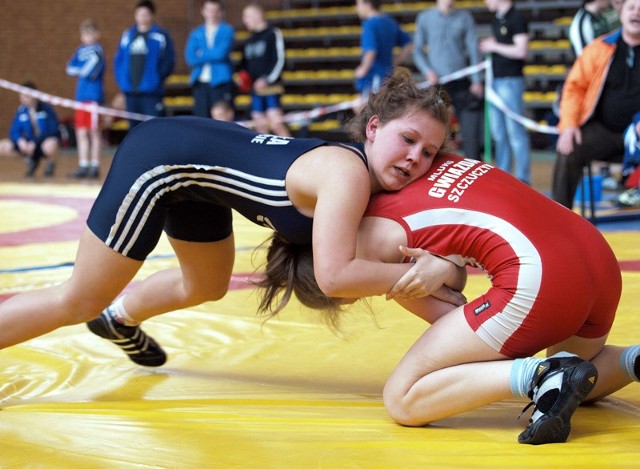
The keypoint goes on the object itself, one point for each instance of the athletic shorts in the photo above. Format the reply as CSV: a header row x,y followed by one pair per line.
x,y
85,119
201,222
264,103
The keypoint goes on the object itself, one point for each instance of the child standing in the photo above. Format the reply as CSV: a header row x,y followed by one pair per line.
x,y
88,64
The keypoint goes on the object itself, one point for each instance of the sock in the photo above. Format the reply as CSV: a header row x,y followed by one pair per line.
x,y
120,314
630,362
83,164
521,375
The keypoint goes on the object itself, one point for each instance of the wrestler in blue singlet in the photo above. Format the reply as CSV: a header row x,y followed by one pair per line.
x,y
186,174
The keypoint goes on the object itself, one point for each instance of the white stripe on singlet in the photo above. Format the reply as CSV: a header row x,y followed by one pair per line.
x,y
212,177
499,327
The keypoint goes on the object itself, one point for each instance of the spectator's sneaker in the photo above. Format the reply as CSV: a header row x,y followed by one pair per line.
x,y
80,173
49,169
93,172
32,165
560,384
629,198
138,346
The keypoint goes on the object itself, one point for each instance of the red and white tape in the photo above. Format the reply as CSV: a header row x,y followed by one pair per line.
x,y
292,117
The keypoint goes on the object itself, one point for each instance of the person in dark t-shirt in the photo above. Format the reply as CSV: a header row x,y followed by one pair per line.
x,y
508,48
263,59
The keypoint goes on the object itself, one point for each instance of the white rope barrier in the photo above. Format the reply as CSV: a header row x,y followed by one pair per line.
x,y
497,101
70,103
294,117
463,72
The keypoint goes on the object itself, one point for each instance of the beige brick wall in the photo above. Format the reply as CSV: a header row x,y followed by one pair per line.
x,y
37,38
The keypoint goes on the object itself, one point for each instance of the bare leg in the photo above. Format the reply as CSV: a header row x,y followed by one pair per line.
x,y
82,140
606,359
6,148
440,375
50,148
260,122
276,122
96,147
203,275
98,276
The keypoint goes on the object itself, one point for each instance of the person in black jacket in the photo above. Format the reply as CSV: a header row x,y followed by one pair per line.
x,y
263,60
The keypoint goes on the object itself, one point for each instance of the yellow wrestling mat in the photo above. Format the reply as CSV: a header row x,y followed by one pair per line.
x,y
239,393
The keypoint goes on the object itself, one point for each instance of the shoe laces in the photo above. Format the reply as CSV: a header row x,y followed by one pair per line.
x,y
544,394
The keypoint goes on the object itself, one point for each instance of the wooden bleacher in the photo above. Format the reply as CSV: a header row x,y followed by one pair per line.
x,y
322,49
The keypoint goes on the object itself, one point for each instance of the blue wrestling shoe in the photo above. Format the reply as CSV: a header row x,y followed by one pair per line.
x,y
560,384
138,346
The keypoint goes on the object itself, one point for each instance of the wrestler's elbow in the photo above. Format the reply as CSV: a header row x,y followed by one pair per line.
x,y
329,286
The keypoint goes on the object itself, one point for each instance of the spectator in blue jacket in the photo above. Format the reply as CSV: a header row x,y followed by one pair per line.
x,y
34,134
88,64
208,53
144,59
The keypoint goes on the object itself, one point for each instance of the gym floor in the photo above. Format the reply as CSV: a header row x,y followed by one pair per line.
x,y
237,392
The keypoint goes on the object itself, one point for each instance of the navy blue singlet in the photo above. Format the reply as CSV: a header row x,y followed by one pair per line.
x,y
186,174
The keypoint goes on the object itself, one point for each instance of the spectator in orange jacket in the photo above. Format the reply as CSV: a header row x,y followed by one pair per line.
x,y
600,96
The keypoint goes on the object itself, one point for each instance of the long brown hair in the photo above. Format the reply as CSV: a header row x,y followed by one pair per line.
x,y
289,267
397,96
289,271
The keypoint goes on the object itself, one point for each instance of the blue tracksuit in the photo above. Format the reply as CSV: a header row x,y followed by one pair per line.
x,y
46,120
380,34
198,53
160,60
88,64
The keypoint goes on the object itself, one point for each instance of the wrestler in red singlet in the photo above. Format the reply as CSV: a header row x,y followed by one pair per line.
x,y
553,274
